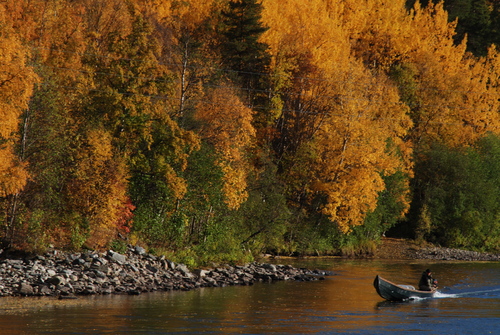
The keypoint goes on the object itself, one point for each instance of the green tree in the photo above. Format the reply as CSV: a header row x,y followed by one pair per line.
x,y
129,102
458,193
242,50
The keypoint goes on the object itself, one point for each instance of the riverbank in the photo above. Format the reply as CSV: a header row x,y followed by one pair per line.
x,y
392,248
67,275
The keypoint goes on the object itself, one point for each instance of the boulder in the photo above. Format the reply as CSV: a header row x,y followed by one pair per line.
x,y
269,267
56,280
139,250
116,257
26,289
184,270
44,290
151,268
200,273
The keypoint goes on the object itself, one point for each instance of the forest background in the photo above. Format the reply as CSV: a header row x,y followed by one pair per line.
x,y
216,130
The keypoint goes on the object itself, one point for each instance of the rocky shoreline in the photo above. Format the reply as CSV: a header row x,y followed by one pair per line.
x,y
449,254
397,248
68,275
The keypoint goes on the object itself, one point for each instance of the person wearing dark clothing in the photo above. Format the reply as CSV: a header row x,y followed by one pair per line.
x,y
426,283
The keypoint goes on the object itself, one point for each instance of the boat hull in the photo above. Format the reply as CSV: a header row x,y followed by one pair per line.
x,y
394,292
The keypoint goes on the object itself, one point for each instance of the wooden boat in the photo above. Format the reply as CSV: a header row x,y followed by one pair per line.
x,y
394,292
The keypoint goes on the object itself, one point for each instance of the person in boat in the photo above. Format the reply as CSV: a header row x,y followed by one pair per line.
x,y
427,283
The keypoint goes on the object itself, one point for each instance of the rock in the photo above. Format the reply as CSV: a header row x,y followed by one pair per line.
x,y
134,292
171,264
200,273
56,280
79,261
270,267
100,274
164,264
184,270
15,261
26,289
44,290
151,268
119,258
139,250
120,289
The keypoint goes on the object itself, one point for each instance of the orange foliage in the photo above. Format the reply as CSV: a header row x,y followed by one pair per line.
x,y
16,85
124,222
13,174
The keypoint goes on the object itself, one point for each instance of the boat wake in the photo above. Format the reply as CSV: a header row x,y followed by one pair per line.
x,y
486,292
495,292
445,295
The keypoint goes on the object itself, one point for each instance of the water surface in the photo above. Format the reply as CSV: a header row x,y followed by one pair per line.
x,y
468,303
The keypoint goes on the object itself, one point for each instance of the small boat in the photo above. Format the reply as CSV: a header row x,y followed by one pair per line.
x,y
394,292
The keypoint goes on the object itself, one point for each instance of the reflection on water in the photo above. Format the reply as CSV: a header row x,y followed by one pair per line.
x,y
345,302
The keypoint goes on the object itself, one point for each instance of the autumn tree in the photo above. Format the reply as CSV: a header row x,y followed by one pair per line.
x,y
477,20
227,125
334,126
50,129
16,85
123,107
132,101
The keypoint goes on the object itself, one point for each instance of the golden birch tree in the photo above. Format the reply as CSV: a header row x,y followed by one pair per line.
x,y
337,119
227,125
100,183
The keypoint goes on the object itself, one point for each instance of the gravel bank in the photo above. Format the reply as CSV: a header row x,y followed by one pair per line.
x,y
67,275
454,254
393,248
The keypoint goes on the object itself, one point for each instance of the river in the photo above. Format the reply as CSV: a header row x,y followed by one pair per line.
x,y
345,303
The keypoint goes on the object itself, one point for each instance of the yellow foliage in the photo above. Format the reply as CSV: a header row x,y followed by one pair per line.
x,y
352,149
349,110
99,187
16,78
160,9
343,121
227,124
378,30
457,99
348,115
191,12
234,185
177,184
305,30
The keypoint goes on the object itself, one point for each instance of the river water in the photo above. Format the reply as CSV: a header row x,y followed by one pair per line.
x,y
344,303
